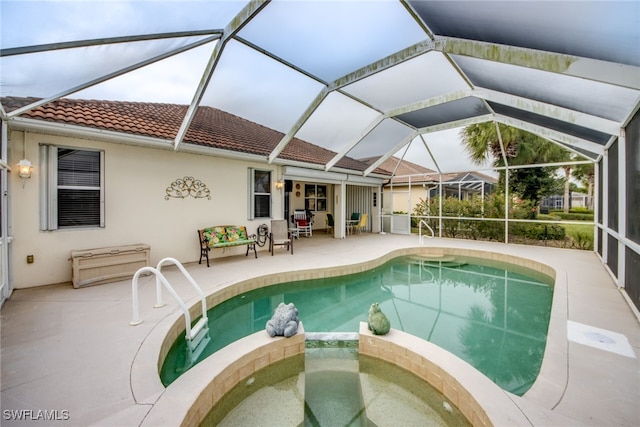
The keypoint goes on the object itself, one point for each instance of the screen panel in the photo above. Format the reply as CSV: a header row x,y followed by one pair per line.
x,y
632,151
612,187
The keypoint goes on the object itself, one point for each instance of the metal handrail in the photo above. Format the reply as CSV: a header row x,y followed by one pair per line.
x,y
191,333
420,230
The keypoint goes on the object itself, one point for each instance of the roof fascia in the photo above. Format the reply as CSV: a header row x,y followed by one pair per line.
x,y
237,23
551,135
75,131
304,173
548,110
366,71
592,69
64,129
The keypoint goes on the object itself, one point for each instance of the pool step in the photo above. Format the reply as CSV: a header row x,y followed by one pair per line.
x,y
448,261
333,393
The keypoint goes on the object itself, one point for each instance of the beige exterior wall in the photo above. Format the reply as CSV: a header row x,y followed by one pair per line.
x,y
135,207
403,199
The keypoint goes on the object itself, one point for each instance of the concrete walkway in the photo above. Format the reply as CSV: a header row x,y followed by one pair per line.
x,y
68,353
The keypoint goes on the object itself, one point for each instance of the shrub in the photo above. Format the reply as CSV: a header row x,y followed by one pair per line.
x,y
581,210
536,231
493,206
582,240
574,216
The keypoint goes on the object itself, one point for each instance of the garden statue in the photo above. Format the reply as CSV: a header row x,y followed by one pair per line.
x,y
284,321
378,322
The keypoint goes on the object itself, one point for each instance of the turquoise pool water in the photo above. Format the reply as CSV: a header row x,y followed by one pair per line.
x,y
494,316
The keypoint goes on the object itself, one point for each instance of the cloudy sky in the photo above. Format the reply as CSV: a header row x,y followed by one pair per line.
x,y
244,82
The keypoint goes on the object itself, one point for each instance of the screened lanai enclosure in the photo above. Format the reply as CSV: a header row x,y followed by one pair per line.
x,y
359,79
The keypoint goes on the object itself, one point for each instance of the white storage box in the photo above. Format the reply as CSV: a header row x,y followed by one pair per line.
x,y
104,265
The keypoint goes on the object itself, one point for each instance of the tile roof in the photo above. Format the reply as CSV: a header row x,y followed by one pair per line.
x,y
210,127
420,174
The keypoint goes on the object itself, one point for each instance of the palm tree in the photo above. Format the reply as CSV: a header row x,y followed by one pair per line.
x,y
521,148
482,143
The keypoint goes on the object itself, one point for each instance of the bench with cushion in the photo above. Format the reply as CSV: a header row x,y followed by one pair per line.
x,y
225,236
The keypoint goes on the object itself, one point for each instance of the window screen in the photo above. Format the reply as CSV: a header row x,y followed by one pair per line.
x,y
260,193
78,188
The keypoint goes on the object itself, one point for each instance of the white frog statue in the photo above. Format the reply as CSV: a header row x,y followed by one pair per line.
x,y
284,321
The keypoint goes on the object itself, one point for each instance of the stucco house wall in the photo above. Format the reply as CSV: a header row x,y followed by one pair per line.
x,y
136,210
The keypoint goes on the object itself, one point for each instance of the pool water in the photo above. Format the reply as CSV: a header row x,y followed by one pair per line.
x,y
494,316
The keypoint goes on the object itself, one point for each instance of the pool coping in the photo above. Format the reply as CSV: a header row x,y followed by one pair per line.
x,y
147,388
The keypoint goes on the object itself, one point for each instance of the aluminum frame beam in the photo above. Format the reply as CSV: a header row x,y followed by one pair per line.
x,y
364,72
551,135
567,115
571,65
237,23
110,76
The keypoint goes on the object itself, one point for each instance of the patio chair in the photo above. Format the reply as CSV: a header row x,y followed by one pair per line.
x,y
353,222
330,224
362,225
302,223
279,235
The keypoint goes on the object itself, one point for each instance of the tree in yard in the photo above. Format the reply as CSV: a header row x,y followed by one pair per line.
x,y
585,174
521,148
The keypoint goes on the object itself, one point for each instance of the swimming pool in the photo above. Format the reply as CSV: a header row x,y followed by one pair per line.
x,y
493,315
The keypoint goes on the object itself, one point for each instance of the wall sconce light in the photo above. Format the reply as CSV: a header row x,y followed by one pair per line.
x,y
280,184
24,170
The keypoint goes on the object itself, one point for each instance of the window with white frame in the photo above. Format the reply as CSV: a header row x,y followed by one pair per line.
x,y
315,197
259,193
72,188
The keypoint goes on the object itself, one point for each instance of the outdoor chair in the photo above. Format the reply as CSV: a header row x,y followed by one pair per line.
x,y
353,222
330,224
279,235
302,223
362,225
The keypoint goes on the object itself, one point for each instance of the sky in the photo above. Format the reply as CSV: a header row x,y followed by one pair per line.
x,y
327,42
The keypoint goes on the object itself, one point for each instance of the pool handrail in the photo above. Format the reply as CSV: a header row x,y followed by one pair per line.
x,y
422,221
190,333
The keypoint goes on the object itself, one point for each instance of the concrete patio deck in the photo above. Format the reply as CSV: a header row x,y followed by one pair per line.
x,y
71,351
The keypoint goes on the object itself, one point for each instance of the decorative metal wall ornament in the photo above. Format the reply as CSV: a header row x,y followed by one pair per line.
x,y
187,186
